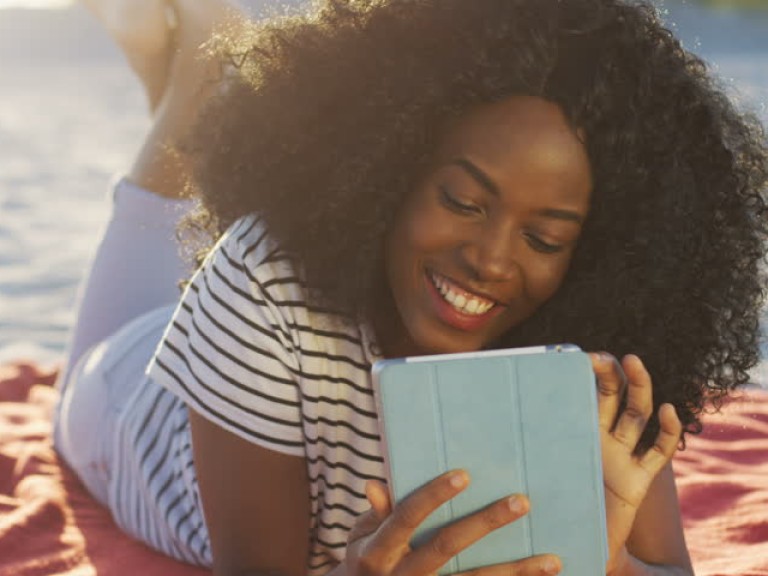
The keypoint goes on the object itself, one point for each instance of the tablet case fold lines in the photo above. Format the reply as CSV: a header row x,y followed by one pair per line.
x,y
517,424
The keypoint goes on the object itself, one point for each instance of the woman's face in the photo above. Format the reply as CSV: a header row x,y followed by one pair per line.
x,y
487,236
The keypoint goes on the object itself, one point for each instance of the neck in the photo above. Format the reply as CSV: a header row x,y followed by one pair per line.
x,y
391,335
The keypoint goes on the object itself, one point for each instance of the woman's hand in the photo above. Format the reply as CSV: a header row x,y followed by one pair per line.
x,y
379,542
627,476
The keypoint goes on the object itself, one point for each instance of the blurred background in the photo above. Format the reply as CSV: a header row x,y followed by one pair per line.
x,y
72,116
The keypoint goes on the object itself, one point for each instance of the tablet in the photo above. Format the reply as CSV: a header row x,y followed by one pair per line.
x,y
518,420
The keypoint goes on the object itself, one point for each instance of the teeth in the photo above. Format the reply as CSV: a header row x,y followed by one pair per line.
x,y
464,303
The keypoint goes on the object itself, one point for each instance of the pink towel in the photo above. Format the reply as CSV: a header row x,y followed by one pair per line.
x,y
50,526
722,479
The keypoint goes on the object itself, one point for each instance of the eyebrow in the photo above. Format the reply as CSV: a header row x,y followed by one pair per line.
x,y
486,182
563,215
481,177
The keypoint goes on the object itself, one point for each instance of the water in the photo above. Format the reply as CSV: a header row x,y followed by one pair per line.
x,y
734,43
72,116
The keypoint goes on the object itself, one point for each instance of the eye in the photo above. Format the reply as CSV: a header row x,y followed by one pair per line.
x,y
540,245
455,205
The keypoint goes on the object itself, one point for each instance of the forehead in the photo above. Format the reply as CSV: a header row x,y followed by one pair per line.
x,y
521,138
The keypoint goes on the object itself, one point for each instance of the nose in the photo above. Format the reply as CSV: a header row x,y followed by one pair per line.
x,y
490,254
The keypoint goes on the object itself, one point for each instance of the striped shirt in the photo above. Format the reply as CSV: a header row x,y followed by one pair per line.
x,y
246,350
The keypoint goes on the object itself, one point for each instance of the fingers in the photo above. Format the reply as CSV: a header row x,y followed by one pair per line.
x,y
378,496
611,384
383,534
396,531
548,564
370,521
666,440
631,377
614,380
455,537
634,417
671,427
365,525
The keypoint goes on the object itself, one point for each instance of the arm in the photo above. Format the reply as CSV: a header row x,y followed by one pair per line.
x,y
657,535
256,507
256,503
645,534
189,80
379,542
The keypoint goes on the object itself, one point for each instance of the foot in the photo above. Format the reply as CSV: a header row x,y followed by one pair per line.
x,y
188,85
145,32
196,20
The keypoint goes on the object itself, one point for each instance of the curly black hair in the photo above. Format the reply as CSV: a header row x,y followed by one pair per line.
x,y
330,119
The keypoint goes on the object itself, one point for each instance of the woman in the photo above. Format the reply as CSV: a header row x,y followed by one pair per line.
x,y
153,33
407,177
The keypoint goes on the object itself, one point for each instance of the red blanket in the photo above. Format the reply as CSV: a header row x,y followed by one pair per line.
x,y
50,526
722,478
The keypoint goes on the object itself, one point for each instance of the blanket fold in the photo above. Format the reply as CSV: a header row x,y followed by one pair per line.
x,y
50,526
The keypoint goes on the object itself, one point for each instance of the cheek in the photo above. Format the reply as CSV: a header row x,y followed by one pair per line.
x,y
545,279
423,228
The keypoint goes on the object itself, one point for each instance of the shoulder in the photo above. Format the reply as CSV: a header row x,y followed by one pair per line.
x,y
229,351
248,266
248,245
252,267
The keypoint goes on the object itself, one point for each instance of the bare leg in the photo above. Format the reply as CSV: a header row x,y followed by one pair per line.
x,y
137,265
190,82
162,41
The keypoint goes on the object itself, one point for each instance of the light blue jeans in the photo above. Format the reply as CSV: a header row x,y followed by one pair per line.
x,y
125,303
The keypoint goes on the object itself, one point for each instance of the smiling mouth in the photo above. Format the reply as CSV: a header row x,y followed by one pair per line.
x,y
459,299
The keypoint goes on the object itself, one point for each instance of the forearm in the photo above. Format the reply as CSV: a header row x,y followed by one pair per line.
x,y
631,566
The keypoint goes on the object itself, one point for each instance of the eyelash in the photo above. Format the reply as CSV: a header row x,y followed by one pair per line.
x,y
534,241
455,205
540,246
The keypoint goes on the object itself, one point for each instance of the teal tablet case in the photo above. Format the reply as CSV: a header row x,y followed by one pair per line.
x,y
518,421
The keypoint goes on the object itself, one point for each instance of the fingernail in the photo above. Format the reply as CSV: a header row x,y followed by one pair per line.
x,y
458,479
515,505
551,567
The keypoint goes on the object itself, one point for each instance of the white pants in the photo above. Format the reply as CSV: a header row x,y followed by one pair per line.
x,y
126,301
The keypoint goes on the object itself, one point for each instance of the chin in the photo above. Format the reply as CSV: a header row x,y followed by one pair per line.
x,y
439,342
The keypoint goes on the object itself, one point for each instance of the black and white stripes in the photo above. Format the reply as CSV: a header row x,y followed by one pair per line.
x,y
246,350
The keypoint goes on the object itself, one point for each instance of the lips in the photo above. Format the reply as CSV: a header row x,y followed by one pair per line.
x,y
463,301
459,307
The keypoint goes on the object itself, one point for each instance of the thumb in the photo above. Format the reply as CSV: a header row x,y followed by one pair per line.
x,y
368,522
378,496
